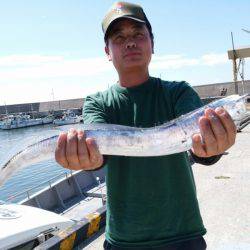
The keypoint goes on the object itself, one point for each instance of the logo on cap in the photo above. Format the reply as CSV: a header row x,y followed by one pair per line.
x,y
118,8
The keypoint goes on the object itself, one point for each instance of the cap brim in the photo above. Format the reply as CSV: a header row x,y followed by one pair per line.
x,y
119,18
133,18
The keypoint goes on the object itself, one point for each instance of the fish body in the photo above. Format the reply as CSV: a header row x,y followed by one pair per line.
x,y
169,138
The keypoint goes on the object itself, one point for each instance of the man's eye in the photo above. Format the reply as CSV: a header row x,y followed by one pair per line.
x,y
139,35
119,38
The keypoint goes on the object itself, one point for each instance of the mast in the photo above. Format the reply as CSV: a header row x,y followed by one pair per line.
x,y
6,111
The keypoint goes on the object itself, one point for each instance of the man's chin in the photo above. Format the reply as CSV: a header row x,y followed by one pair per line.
x,y
134,64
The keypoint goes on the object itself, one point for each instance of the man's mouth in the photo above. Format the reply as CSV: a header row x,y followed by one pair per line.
x,y
132,54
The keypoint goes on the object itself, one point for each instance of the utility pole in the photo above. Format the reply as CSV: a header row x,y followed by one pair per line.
x,y
235,73
238,53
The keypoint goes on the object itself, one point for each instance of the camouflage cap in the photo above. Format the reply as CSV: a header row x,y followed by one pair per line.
x,y
124,10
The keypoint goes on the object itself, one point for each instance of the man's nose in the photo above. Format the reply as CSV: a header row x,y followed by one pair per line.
x,y
130,44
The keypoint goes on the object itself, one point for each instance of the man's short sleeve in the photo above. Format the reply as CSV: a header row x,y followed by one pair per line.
x,y
93,110
185,99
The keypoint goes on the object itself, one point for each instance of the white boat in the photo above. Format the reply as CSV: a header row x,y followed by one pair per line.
x,y
21,225
69,117
20,121
48,119
44,215
1,123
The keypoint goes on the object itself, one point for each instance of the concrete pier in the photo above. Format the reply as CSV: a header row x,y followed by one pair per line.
x,y
223,193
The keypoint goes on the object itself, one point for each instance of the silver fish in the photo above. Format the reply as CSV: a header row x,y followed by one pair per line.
x,y
172,137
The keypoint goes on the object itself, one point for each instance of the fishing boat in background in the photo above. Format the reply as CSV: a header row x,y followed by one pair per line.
x,y
20,121
48,119
69,117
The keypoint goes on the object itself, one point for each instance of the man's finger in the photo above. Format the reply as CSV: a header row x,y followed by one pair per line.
x,y
218,129
60,152
71,150
198,147
228,124
208,137
83,154
96,158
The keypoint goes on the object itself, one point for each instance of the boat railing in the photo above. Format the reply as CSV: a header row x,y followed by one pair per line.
x,y
26,194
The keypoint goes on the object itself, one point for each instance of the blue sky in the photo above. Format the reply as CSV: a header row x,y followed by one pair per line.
x,y
58,45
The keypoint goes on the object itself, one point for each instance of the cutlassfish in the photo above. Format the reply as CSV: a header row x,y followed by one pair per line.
x,y
169,138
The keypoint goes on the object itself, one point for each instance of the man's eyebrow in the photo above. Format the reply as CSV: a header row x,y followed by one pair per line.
x,y
138,25
119,29
115,30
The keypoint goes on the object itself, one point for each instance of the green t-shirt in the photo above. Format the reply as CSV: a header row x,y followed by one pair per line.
x,y
151,201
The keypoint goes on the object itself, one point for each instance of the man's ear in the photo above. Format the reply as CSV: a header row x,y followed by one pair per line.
x,y
153,49
107,53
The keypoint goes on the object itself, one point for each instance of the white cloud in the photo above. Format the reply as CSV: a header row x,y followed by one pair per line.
x,y
15,67
181,61
39,91
26,78
214,59
38,67
27,60
172,62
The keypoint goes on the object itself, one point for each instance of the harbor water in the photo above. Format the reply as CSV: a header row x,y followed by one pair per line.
x,y
11,142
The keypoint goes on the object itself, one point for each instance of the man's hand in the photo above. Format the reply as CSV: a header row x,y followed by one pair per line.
x,y
76,152
218,133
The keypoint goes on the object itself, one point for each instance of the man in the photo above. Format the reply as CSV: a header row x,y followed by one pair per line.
x,y
151,201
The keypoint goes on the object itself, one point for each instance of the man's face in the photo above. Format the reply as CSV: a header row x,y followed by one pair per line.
x,y
129,45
